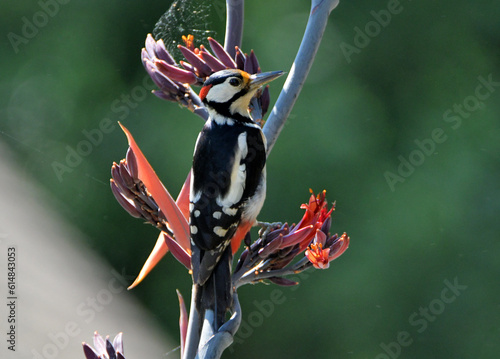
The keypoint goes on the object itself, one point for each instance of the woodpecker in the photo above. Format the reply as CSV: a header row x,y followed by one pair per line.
x,y
228,184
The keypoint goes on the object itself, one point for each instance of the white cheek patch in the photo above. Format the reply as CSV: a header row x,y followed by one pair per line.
x,y
222,92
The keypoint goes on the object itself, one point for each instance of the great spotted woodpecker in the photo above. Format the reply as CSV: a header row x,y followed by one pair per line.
x,y
228,184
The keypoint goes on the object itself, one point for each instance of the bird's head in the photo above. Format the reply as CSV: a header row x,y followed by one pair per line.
x,y
229,92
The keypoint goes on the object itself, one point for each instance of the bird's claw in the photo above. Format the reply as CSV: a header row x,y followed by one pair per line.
x,y
267,227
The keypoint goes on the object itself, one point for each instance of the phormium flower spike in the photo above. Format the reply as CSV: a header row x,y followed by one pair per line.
x,y
252,64
89,352
165,96
164,83
175,73
196,61
125,175
241,260
110,349
132,164
272,247
118,342
284,282
124,202
240,59
162,53
212,61
115,174
279,263
255,61
104,349
298,236
329,242
188,41
326,225
221,54
150,47
265,100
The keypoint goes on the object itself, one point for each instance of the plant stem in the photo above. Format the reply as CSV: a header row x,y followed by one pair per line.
x,y
318,18
234,25
193,331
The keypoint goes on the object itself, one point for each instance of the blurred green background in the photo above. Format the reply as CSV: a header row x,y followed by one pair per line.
x,y
398,121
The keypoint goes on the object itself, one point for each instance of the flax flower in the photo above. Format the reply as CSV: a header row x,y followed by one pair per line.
x,y
104,348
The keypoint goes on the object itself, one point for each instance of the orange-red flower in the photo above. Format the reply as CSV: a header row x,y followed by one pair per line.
x,y
320,254
272,255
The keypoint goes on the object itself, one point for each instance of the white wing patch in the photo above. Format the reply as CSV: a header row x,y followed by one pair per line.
x,y
230,211
193,197
255,204
242,145
238,175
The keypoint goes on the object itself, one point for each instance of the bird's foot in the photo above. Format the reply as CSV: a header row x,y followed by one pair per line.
x,y
267,227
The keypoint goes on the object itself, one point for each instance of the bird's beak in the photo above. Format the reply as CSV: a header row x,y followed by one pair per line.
x,y
257,80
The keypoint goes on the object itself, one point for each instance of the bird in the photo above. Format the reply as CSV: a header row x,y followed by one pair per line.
x,y
228,185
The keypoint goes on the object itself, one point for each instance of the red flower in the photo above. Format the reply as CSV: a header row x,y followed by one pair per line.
x,y
319,256
272,255
316,217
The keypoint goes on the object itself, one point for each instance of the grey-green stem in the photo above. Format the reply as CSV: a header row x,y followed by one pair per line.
x,y
234,25
318,18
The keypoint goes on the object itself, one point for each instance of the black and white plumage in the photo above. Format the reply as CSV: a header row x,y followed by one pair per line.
x,y
228,184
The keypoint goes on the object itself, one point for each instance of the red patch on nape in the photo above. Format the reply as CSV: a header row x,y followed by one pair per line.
x,y
204,91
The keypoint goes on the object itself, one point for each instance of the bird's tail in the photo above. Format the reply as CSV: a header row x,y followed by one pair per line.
x,y
216,294
210,302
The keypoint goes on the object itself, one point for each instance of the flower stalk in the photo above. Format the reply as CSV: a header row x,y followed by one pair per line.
x,y
234,25
316,25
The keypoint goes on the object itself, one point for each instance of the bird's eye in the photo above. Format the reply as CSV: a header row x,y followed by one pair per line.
x,y
234,82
